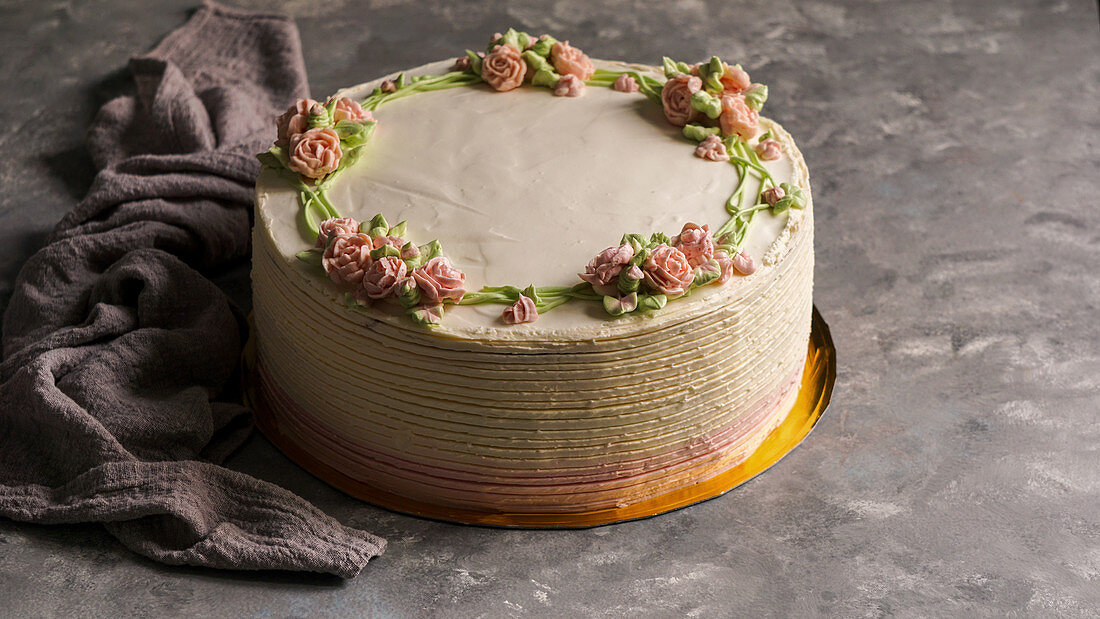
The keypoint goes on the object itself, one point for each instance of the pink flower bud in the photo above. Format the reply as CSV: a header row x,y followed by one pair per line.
x,y
769,150
523,310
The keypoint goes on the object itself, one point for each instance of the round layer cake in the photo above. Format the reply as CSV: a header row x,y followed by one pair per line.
x,y
579,410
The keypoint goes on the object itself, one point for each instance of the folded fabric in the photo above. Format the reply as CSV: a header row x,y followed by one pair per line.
x,y
120,358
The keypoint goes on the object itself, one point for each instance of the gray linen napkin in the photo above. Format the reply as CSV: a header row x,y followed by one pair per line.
x,y
119,356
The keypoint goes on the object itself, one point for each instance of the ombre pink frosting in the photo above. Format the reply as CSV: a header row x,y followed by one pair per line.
x,y
769,150
349,109
347,258
712,149
676,99
382,277
439,280
695,243
523,310
503,68
625,83
569,86
334,227
604,269
737,117
569,60
668,271
315,153
294,121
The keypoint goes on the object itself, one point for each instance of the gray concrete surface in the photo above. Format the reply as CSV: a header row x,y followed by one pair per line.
x,y
954,153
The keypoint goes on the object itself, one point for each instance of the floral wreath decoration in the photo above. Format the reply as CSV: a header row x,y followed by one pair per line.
x,y
715,103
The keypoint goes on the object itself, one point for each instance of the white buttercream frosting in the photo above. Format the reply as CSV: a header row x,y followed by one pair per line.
x,y
521,188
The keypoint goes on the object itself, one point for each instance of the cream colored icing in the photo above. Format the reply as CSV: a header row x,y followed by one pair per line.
x,y
548,184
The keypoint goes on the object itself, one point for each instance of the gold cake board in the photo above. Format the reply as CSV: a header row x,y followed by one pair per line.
x,y
813,398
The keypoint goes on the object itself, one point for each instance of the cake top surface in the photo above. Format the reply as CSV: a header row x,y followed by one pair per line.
x,y
525,188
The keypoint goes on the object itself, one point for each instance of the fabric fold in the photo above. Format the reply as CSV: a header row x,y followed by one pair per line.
x,y
118,352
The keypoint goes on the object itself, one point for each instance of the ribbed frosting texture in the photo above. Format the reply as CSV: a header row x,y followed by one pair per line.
x,y
601,414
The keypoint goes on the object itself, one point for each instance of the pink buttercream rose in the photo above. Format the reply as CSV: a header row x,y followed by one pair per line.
x,y
695,243
625,83
734,79
676,99
603,270
382,277
439,280
744,264
315,153
331,228
668,272
569,60
392,241
294,121
712,149
737,117
503,68
769,150
521,311
725,264
462,63
349,109
569,86
771,195
347,258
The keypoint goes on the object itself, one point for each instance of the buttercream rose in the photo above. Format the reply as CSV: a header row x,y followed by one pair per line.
x,y
734,79
695,243
668,272
744,264
521,311
439,280
569,60
315,153
604,269
569,86
349,109
712,149
347,258
737,117
334,227
769,150
382,277
294,121
392,241
503,68
676,99
625,83
725,263
771,195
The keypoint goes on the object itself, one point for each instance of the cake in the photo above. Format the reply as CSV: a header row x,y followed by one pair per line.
x,y
528,282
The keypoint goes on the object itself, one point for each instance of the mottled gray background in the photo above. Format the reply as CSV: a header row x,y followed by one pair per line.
x,y
954,155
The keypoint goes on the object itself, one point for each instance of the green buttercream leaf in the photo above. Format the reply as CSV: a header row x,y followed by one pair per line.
x,y
617,306
355,134
658,238
653,302
475,62
426,316
699,133
756,96
408,293
536,62
511,38
399,229
545,77
312,257
707,273
430,250
706,103
400,81
793,198
532,293
378,221
385,251
523,40
269,160
670,68
543,46
627,284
